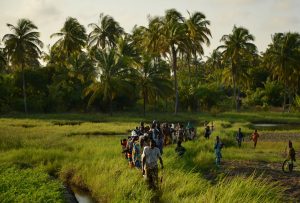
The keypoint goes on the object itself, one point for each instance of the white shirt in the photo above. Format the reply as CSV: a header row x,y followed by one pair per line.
x,y
152,156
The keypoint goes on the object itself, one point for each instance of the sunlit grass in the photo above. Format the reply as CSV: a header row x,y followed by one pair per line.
x,y
73,154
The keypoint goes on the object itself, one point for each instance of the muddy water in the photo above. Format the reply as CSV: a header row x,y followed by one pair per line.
x,y
82,196
274,126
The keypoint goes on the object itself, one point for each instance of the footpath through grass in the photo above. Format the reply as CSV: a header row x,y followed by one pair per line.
x,y
72,149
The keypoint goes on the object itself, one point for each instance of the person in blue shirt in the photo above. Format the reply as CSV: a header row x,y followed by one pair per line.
x,y
218,147
239,137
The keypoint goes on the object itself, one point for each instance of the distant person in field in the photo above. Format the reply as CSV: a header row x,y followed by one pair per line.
x,y
291,152
150,156
142,128
255,137
218,147
160,140
154,132
129,148
191,131
180,150
124,144
180,134
207,132
136,152
239,137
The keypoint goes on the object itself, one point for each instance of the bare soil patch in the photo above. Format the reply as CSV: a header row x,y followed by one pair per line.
x,y
270,171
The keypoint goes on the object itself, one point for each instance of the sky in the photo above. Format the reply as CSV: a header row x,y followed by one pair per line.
x,y
262,18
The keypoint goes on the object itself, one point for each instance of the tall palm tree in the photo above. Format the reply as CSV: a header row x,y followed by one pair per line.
x,y
2,60
113,76
283,57
174,37
198,34
152,80
23,47
106,33
214,66
235,46
72,37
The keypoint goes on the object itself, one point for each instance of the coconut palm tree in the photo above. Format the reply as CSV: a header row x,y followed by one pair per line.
x,y
2,60
198,34
235,46
112,76
174,33
23,48
152,80
283,58
72,37
106,33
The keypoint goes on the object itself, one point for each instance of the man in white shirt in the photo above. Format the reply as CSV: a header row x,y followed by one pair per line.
x,y
149,164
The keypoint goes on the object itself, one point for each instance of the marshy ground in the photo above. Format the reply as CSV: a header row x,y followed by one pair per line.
x,y
84,150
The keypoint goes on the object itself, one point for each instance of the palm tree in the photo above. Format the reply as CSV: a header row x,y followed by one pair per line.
x,y
283,56
198,34
152,80
73,37
235,46
214,66
113,76
2,60
106,33
174,37
23,47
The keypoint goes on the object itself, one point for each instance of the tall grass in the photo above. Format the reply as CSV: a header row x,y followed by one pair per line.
x,y
95,163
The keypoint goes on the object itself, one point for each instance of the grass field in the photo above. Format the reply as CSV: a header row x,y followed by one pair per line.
x,y
40,152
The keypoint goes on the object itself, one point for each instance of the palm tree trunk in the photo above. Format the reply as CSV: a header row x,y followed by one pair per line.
x,y
24,89
189,65
174,64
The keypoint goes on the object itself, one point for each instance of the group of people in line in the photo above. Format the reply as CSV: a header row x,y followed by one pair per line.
x,y
145,146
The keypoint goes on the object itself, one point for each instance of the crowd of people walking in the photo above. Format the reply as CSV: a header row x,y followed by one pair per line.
x,y
144,147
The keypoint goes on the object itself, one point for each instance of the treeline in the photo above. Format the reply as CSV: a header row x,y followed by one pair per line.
x,y
159,67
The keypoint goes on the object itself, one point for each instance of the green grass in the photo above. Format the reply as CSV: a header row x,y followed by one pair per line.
x,y
72,148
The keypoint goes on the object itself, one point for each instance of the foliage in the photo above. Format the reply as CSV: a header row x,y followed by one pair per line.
x,y
96,163
70,76
28,185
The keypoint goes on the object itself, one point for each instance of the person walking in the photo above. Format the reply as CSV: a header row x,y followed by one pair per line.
x,y
239,137
180,150
150,156
255,137
218,147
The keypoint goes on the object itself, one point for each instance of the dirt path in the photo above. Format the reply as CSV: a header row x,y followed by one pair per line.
x,y
271,171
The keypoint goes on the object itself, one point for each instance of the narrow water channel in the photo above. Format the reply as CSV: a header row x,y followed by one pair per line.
x,y
274,126
82,196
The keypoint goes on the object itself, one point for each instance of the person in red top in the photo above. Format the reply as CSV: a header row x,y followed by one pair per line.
x,y
255,137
